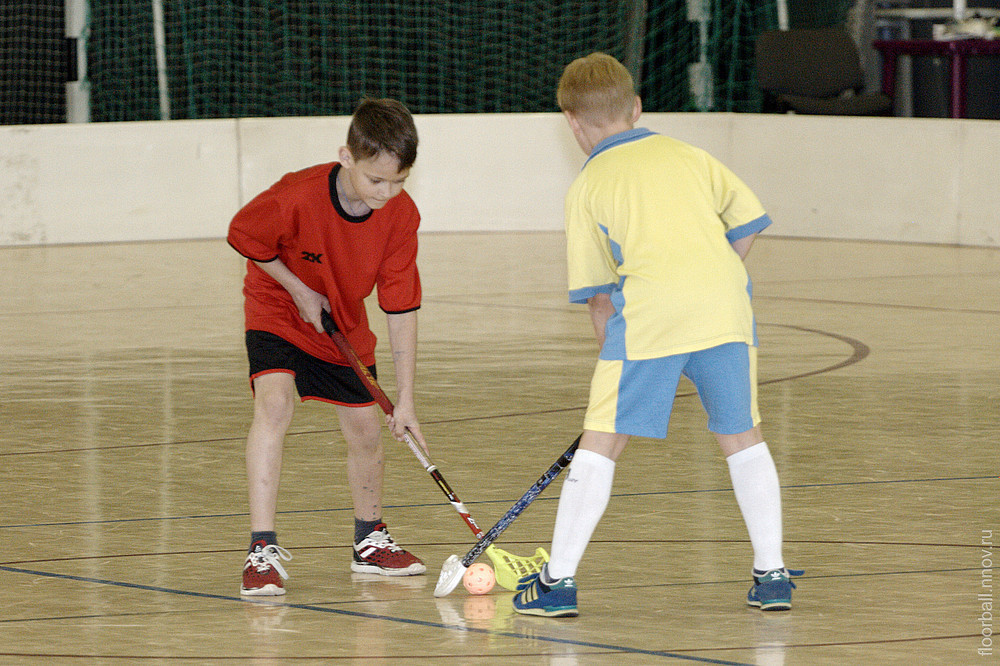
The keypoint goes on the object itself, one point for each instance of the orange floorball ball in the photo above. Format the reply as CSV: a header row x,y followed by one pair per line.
x,y
479,579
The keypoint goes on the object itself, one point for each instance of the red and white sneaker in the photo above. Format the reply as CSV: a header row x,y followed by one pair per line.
x,y
378,553
263,574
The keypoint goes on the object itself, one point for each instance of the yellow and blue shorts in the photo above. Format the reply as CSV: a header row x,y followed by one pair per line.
x,y
636,397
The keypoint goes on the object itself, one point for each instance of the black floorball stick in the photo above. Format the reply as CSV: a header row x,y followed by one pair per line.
x,y
454,568
509,567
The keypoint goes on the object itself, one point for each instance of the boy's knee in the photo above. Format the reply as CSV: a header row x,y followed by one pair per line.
x,y
362,426
365,436
734,443
274,406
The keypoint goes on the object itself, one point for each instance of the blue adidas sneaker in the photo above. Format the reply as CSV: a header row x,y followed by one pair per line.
x,y
556,599
772,590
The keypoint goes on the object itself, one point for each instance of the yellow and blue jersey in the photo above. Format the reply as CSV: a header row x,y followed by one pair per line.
x,y
649,221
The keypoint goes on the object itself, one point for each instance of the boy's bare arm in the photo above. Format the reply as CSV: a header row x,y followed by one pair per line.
x,y
403,342
601,310
309,302
742,245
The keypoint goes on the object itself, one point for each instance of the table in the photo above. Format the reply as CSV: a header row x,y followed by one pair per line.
x,y
958,50
933,13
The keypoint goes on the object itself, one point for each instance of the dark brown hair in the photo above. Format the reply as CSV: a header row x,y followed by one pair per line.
x,y
383,125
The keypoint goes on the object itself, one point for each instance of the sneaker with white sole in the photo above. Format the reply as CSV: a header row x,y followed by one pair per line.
x,y
378,554
555,599
263,574
772,590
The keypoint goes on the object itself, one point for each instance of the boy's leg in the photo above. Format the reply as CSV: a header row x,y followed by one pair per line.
x,y
274,404
582,501
758,494
374,551
631,396
362,428
726,379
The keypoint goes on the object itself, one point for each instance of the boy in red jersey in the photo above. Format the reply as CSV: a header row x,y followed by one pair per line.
x,y
323,239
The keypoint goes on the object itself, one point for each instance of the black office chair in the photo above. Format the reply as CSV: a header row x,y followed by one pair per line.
x,y
815,71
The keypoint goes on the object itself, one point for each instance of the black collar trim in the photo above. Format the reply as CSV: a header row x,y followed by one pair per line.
x,y
335,200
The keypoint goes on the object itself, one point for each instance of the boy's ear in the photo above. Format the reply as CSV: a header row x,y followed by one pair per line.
x,y
346,158
574,122
636,109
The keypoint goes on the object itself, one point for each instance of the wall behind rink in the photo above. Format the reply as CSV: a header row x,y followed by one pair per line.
x,y
893,179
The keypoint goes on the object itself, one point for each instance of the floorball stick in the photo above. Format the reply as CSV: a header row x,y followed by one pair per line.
x,y
383,401
454,568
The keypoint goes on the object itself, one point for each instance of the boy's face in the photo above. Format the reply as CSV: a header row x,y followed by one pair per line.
x,y
373,180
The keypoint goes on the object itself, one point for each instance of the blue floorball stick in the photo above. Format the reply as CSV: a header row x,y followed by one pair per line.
x,y
509,568
454,568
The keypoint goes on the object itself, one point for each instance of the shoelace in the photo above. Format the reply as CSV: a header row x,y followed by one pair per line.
x,y
789,574
270,556
380,539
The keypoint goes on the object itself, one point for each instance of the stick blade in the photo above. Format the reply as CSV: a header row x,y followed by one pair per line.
x,y
511,568
451,575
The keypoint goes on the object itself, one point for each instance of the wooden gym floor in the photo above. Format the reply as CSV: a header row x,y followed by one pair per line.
x,y
124,406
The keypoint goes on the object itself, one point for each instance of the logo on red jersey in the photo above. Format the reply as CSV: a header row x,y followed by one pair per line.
x,y
315,258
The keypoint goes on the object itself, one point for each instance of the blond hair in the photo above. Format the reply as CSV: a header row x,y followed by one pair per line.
x,y
597,89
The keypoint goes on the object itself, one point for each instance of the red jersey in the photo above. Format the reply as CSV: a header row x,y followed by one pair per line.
x,y
300,221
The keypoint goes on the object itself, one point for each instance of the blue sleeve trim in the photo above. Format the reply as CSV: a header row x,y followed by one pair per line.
x,y
582,295
748,229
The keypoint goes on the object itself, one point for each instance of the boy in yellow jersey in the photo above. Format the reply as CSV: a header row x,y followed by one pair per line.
x,y
656,234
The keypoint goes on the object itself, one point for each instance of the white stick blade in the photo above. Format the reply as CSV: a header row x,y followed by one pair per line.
x,y
451,575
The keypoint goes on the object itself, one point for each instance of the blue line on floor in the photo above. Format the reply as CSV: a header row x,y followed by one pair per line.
x,y
373,616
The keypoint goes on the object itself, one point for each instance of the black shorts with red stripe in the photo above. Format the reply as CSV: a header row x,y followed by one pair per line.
x,y
315,379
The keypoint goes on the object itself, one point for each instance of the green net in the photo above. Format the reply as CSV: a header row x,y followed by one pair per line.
x,y
32,63
307,57
219,59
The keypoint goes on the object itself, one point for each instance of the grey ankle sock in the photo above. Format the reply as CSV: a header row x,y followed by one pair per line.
x,y
268,538
363,528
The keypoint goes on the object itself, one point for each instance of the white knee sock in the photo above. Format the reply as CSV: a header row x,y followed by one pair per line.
x,y
585,495
758,493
